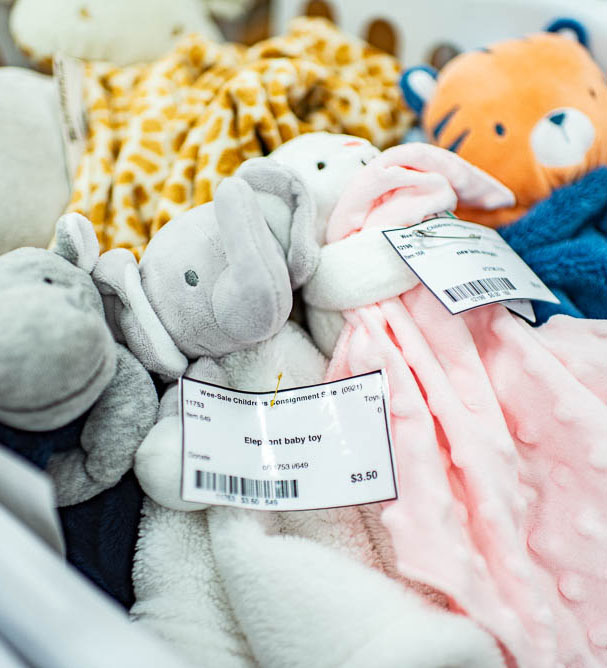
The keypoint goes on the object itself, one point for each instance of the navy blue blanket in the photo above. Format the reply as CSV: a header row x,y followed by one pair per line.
x,y
100,534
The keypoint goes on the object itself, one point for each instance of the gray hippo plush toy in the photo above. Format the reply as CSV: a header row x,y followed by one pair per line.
x,y
239,588
72,400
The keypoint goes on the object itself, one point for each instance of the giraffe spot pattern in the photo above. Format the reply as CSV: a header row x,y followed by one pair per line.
x,y
163,134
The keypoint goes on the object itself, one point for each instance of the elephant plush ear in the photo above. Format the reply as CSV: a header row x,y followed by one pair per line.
x,y
290,212
128,310
252,296
76,241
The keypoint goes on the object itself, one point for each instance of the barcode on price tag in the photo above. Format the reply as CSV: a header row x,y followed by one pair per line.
x,y
305,448
254,489
466,265
483,286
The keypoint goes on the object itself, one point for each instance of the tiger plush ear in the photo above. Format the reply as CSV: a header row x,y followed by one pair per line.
x,y
418,85
570,28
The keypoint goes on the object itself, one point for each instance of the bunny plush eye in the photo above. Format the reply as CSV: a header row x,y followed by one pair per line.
x,y
320,165
48,280
191,277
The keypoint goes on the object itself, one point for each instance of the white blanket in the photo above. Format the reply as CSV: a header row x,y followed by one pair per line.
x,y
233,588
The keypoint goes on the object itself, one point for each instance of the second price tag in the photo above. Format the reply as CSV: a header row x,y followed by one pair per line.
x,y
466,265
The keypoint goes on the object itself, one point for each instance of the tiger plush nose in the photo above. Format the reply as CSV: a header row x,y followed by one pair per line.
x,y
557,119
562,137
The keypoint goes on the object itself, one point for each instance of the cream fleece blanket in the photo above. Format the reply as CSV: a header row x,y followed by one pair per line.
x,y
233,588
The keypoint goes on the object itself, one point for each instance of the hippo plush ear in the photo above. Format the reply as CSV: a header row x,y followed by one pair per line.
x,y
570,28
418,85
130,314
289,211
76,241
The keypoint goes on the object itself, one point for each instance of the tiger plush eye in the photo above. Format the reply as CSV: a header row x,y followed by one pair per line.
x,y
592,92
500,129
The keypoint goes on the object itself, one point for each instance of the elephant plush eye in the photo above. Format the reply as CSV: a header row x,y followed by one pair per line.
x,y
320,165
191,277
48,280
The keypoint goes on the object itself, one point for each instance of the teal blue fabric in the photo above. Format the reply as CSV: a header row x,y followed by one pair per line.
x,y
564,240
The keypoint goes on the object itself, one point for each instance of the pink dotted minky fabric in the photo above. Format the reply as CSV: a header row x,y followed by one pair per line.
x,y
500,434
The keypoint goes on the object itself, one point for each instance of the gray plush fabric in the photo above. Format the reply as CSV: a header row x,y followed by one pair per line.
x,y
215,279
56,352
58,360
289,211
34,188
118,423
9,53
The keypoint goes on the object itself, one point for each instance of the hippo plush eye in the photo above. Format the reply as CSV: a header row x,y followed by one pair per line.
x,y
320,165
48,280
500,129
191,277
592,92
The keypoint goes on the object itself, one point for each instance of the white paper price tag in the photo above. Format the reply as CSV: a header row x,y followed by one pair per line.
x,y
466,265
320,446
69,79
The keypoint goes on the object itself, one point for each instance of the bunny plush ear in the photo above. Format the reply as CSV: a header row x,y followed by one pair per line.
x,y
407,182
76,241
289,211
418,85
472,185
128,310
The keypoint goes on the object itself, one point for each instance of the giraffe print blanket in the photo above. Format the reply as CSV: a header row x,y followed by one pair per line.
x,y
162,135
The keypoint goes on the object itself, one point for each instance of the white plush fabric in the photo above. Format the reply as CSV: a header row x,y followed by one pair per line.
x,y
326,162
233,588
357,270
230,590
34,188
120,31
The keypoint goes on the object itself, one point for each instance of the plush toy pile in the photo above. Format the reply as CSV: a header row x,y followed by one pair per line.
x,y
218,183
162,136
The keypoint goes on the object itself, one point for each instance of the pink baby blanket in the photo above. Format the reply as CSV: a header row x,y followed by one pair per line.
x,y
499,429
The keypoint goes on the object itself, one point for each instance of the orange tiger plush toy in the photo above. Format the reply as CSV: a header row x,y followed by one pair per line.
x,y
531,112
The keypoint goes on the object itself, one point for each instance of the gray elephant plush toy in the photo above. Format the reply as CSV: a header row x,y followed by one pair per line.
x,y
214,280
72,400
213,285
